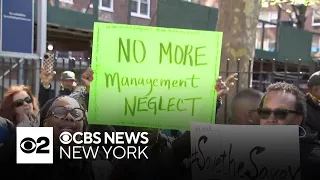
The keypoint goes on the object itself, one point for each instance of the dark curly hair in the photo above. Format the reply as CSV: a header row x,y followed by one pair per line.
x,y
301,106
46,107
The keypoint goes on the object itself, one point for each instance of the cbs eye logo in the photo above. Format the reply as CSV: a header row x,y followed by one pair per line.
x,y
29,145
65,137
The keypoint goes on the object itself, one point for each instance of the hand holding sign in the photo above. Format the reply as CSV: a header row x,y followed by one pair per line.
x,y
87,78
154,77
244,152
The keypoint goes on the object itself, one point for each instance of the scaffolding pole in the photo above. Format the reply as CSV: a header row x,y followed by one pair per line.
x,y
41,39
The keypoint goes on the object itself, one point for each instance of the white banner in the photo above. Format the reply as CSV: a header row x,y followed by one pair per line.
x,y
244,152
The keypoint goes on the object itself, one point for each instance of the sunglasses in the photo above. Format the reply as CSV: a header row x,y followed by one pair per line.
x,y
20,102
61,112
279,114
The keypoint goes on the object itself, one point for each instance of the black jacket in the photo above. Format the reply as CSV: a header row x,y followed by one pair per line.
x,y
6,126
309,153
313,116
47,94
310,156
162,164
60,170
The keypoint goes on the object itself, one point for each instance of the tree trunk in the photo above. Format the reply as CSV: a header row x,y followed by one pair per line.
x,y
238,21
300,11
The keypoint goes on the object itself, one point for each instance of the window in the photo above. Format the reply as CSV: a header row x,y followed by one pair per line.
x,y
258,44
67,1
269,17
271,45
314,48
316,17
140,8
105,5
273,17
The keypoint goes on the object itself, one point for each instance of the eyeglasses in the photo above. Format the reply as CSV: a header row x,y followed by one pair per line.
x,y
279,114
20,102
61,112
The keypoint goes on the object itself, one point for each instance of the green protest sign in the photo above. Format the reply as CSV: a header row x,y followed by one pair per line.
x,y
153,77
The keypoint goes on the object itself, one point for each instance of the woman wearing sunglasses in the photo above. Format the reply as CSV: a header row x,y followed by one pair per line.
x,y
20,106
63,113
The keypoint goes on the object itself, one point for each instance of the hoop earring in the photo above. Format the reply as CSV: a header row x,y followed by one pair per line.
x,y
305,132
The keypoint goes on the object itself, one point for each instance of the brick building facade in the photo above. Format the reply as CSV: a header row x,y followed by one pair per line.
x,y
144,13
113,11
270,14
117,10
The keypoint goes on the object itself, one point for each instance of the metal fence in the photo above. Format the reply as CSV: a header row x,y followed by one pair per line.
x,y
15,71
264,72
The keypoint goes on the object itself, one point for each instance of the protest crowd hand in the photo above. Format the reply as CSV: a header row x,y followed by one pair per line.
x,y
74,84
46,77
87,78
223,87
34,118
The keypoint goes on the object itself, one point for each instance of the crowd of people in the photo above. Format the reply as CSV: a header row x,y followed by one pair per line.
x,y
169,150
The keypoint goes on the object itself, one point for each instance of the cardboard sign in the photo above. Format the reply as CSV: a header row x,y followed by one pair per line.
x,y
153,77
232,152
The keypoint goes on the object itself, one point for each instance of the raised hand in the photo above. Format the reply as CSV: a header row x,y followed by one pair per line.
x,y
46,77
223,87
34,117
87,78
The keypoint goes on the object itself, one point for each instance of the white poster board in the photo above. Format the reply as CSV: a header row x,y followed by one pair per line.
x,y
246,152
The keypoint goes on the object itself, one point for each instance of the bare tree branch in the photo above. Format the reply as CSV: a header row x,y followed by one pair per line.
x,y
289,14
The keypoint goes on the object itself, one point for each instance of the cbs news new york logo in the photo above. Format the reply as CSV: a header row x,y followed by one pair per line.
x,y
34,145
